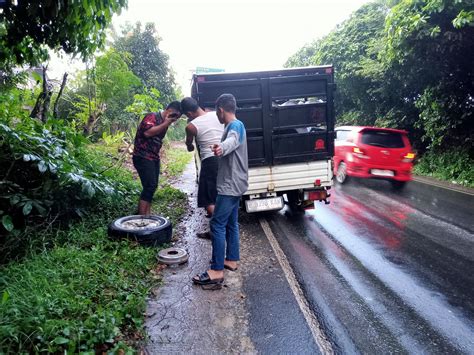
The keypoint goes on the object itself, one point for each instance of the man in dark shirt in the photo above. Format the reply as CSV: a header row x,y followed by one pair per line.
x,y
146,154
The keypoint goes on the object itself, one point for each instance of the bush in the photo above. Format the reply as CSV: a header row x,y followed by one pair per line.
x,y
456,166
47,173
85,294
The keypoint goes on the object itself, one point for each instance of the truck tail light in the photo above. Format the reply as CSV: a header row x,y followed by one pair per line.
x,y
316,195
319,144
408,157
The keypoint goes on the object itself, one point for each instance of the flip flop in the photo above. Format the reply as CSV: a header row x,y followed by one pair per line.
x,y
204,280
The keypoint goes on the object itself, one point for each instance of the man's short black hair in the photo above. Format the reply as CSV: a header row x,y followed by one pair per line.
x,y
188,104
227,103
175,105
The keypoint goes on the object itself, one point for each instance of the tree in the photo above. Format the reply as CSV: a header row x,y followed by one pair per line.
x,y
148,61
347,47
304,56
429,46
404,64
112,85
77,27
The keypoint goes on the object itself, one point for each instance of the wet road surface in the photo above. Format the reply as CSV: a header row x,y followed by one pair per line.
x,y
183,318
383,271
374,272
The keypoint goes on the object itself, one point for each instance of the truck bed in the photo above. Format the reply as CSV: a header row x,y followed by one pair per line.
x,y
288,114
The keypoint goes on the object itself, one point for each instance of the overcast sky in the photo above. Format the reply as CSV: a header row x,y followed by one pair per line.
x,y
235,35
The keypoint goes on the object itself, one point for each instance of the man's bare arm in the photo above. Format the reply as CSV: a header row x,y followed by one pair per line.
x,y
161,128
191,132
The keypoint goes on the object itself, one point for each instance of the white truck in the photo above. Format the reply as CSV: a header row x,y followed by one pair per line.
x,y
289,120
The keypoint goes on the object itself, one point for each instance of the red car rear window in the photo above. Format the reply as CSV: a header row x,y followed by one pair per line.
x,y
382,139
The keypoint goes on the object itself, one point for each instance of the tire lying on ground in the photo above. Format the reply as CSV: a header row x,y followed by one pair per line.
x,y
146,230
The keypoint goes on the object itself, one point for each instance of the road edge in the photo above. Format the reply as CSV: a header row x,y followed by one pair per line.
x,y
443,184
315,327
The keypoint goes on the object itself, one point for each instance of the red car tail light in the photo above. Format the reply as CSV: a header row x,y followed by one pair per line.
x,y
359,153
408,157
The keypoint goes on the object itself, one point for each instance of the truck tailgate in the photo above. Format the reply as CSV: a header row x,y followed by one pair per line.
x,y
289,177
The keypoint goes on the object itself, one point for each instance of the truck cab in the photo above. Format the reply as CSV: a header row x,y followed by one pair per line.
x,y
289,120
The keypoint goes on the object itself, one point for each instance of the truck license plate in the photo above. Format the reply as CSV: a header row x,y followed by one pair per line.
x,y
379,172
264,204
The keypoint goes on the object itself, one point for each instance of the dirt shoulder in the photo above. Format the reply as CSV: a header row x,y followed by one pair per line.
x,y
182,317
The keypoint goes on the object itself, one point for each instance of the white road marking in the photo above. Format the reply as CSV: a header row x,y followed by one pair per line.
x,y
316,330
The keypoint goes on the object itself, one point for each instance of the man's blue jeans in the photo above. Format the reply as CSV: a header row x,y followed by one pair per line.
x,y
225,231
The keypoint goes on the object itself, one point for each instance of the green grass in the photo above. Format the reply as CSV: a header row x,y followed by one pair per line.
x,y
76,290
170,203
74,299
175,161
455,166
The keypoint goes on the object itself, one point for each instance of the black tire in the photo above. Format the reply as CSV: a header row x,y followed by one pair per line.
x,y
398,185
294,201
154,231
341,174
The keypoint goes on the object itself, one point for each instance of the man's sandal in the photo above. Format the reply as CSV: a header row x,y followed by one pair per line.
x,y
206,282
205,235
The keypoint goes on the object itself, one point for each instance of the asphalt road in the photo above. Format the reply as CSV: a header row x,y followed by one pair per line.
x,y
380,271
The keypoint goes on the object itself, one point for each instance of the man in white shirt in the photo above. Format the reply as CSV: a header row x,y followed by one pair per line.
x,y
206,129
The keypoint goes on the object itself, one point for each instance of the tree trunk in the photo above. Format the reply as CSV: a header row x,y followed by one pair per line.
x,y
46,102
42,102
35,112
46,97
63,85
93,118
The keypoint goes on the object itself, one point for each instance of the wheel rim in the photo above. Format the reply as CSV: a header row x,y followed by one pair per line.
x,y
172,256
341,173
140,223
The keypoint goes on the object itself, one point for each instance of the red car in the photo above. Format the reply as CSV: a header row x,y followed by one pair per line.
x,y
373,152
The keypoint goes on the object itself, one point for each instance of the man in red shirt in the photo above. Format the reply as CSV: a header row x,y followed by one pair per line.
x,y
146,154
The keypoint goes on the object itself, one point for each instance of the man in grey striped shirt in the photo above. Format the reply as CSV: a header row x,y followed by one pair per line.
x,y
232,182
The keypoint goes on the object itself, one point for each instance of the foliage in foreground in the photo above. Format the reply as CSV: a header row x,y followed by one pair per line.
x,y
46,173
74,299
88,293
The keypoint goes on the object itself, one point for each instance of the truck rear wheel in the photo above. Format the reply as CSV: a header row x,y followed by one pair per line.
x,y
294,201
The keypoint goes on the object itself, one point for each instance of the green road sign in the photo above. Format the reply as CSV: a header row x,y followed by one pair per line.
x,y
204,70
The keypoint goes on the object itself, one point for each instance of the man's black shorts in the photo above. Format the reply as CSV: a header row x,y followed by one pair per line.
x,y
149,171
207,191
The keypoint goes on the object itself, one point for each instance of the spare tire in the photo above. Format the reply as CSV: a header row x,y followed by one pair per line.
x,y
146,230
